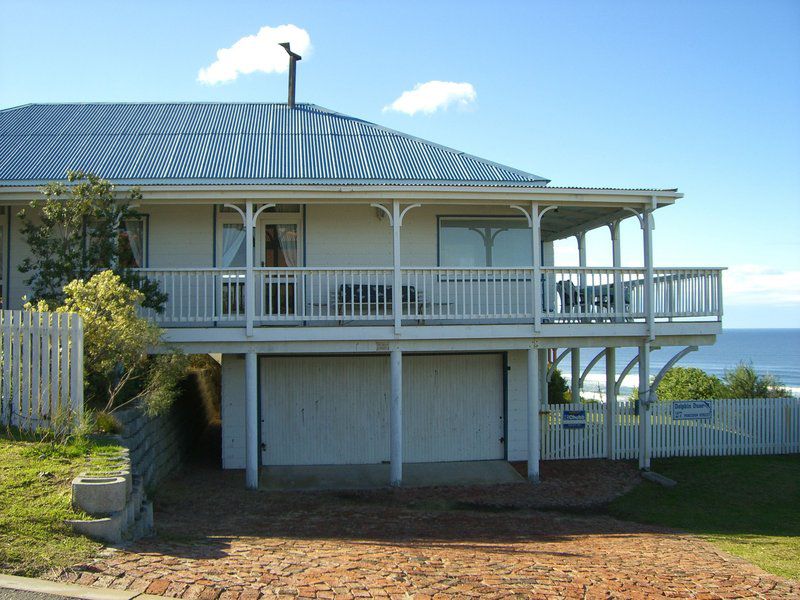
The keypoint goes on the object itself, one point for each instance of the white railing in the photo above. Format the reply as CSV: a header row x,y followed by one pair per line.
x,y
198,296
463,294
731,427
431,294
41,369
618,293
324,294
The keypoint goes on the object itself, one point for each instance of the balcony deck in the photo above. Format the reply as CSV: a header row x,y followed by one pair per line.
x,y
346,296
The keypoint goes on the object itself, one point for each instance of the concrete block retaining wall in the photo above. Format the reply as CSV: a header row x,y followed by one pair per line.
x,y
158,445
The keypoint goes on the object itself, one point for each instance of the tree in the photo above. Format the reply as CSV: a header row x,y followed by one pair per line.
x,y
556,388
744,382
117,368
74,232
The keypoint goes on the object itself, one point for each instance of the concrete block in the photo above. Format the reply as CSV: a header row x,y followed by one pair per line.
x,y
124,474
107,529
99,495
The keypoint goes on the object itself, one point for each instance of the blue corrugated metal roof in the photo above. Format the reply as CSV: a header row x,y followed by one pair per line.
x,y
231,143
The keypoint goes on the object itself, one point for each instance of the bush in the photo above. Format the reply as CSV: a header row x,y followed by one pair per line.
x,y
744,382
106,423
117,368
690,383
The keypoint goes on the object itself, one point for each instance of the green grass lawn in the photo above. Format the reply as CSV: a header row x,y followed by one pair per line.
x,y
746,505
35,488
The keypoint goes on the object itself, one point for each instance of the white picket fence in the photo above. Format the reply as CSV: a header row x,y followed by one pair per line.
x,y
734,427
41,369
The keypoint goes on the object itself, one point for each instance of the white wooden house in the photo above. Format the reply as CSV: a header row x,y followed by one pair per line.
x,y
282,235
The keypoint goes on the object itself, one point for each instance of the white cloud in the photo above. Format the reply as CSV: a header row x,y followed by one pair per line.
x,y
429,97
761,285
259,52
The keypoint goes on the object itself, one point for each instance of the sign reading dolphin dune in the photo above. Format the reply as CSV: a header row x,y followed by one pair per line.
x,y
692,409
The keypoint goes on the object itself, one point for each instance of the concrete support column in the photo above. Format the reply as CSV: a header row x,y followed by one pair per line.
x,y
396,420
543,377
534,440
575,383
644,406
251,419
611,402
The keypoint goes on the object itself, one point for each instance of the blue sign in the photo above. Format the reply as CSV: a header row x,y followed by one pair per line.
x,y
694,410
574,419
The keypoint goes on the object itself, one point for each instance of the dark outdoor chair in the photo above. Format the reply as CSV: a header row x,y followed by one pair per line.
x,y
362,293
569,295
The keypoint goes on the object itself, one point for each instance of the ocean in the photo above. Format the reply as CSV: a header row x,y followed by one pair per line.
x,y
775,351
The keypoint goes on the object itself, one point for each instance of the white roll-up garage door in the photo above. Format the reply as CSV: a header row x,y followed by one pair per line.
x,y
335,410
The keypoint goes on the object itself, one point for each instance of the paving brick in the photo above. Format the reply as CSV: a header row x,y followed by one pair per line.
x,y
228,544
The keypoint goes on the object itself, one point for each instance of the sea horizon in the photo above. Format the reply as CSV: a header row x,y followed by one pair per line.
x,y
774,351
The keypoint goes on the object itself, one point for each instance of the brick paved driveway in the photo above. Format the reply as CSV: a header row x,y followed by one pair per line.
x,y
218,541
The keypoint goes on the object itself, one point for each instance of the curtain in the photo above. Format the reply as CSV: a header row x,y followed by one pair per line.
x,y
232,242
287,239
135,230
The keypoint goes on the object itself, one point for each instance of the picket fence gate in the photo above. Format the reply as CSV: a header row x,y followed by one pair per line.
x,y
737,426
41,369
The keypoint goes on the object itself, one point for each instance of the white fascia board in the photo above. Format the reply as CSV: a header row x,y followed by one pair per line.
x,y
358,194
433,345
385,336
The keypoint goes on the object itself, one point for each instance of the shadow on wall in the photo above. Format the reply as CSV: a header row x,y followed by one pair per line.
x,y
198,407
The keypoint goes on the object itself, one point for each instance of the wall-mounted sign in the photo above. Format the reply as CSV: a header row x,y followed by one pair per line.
x,y
574,419
692,410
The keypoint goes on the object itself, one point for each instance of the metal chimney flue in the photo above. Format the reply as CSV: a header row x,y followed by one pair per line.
x,y
293,58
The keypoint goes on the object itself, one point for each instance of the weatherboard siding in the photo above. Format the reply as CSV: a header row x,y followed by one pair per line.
x,y
355,236
180,236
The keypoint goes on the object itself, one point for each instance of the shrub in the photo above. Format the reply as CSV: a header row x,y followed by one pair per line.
x,y
557,389
689,383
744,382
117,368
106,423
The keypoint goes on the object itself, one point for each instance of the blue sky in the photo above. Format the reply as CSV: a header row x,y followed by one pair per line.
x,y
699,95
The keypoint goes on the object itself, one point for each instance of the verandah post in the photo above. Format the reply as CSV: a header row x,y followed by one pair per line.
x,y
397,291
536,254
249,284
647,238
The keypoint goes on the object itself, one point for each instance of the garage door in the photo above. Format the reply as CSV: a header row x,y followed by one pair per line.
x,y
335,410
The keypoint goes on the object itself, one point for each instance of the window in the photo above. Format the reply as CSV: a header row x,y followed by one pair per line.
x,y
132,244
484,242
